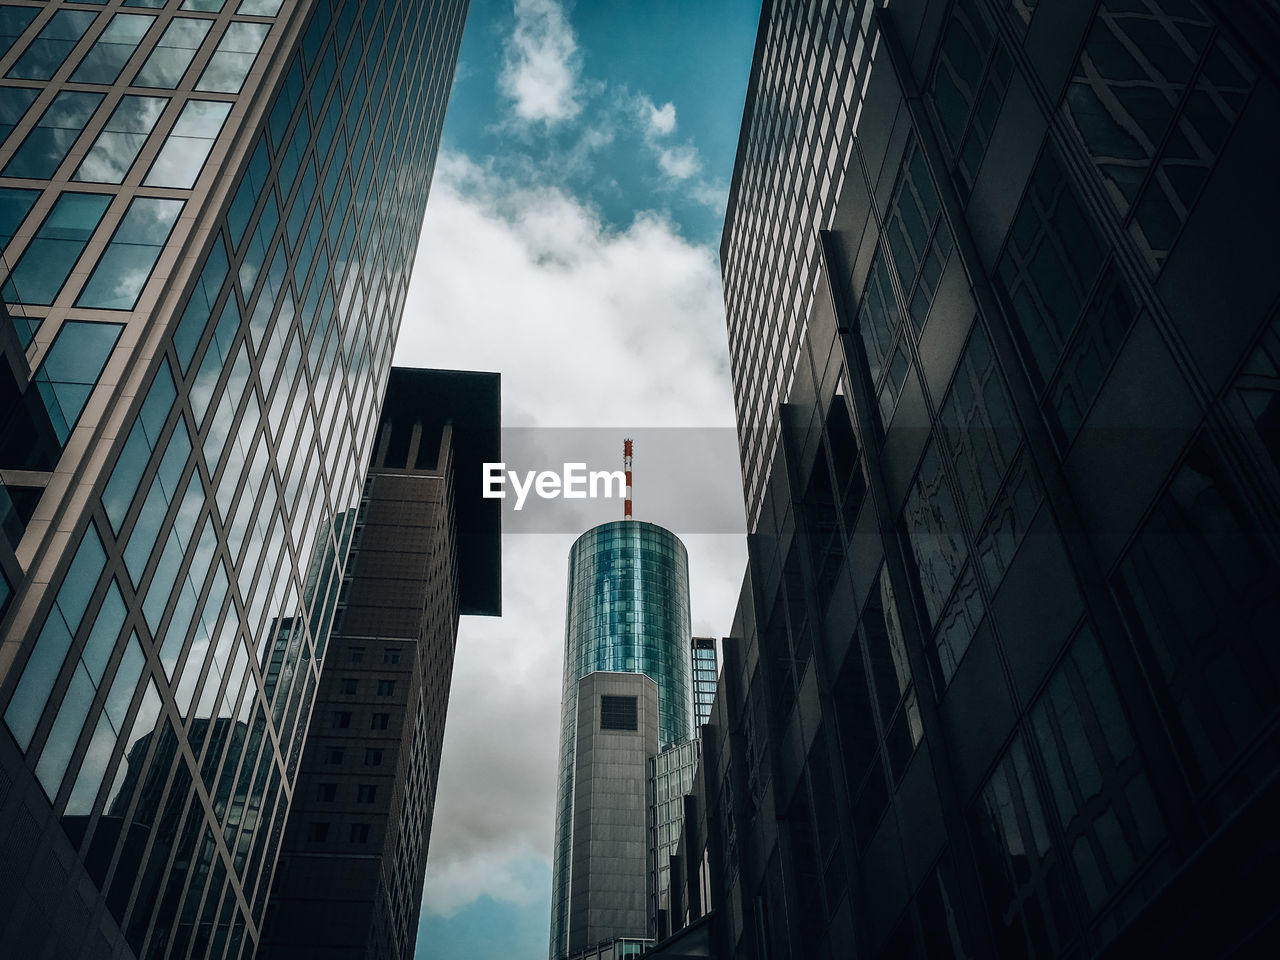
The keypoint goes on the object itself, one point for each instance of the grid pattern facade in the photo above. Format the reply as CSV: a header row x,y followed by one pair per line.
x,y
1001,681
671,775
704,679
210,214
627,612
353,861
803,110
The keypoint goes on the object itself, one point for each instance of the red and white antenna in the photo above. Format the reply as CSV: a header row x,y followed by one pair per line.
x,y
626,465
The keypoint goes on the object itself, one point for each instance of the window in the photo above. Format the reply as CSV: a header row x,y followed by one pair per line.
x,y
52,253
356,654
373,757
233,58
118,145
143,438
391,655
318,831
359,833
379,721
386,688
342,719
114,46
46,53
187,147
13,21
196,317
71,369
42,669
173,53
125,266
366,793
619,713
14,102
932,523
349,685
333,755
1048,268
53,135
326,792
978,426
15,204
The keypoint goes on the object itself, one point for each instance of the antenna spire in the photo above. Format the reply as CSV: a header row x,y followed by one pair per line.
x,y
626,465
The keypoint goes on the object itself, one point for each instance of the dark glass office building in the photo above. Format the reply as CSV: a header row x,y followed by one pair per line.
x,y
1002,309
208,213
425,548
627,611
703,650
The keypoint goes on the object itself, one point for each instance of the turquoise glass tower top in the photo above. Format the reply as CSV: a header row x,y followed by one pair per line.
x,y
627,611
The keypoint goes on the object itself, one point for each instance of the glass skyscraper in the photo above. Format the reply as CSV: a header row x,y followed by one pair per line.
x,y
703,650
208,213
627,611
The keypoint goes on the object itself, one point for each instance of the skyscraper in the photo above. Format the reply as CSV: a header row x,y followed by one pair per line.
x,y
1004,337
703,650
627,612
425,549
208,215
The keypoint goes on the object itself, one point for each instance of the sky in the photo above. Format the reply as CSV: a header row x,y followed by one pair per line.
x,y
570,243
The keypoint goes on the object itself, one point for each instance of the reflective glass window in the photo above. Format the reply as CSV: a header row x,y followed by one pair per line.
x,y
121,139
14,102
256,252
63,620
123,270
15,204
259,8
13,21
115,45
173,53
233,59
71,369
45,54
246,198
932,521
137,449
200,306
215,358
187,147
49,141
52,253
204,6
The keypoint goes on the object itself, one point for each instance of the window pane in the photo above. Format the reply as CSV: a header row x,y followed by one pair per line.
x,y
13,21
14,102
200,306
107,57
118,145
120,275
71,370
14,206
47,51
183,155
173,53
53,251
233,59
52,137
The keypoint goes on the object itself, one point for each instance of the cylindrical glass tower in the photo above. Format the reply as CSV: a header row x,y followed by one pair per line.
x,y
627,611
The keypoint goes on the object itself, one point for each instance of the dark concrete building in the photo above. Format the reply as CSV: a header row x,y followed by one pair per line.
x,y
208,213
1002,309
424,549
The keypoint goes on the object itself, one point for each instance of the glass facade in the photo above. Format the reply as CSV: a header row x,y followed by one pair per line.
x,y
628,612
209,211
704,679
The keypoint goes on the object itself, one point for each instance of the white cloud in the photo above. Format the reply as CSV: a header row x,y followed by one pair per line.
x,y
540,71
589,326
680,163
659,121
